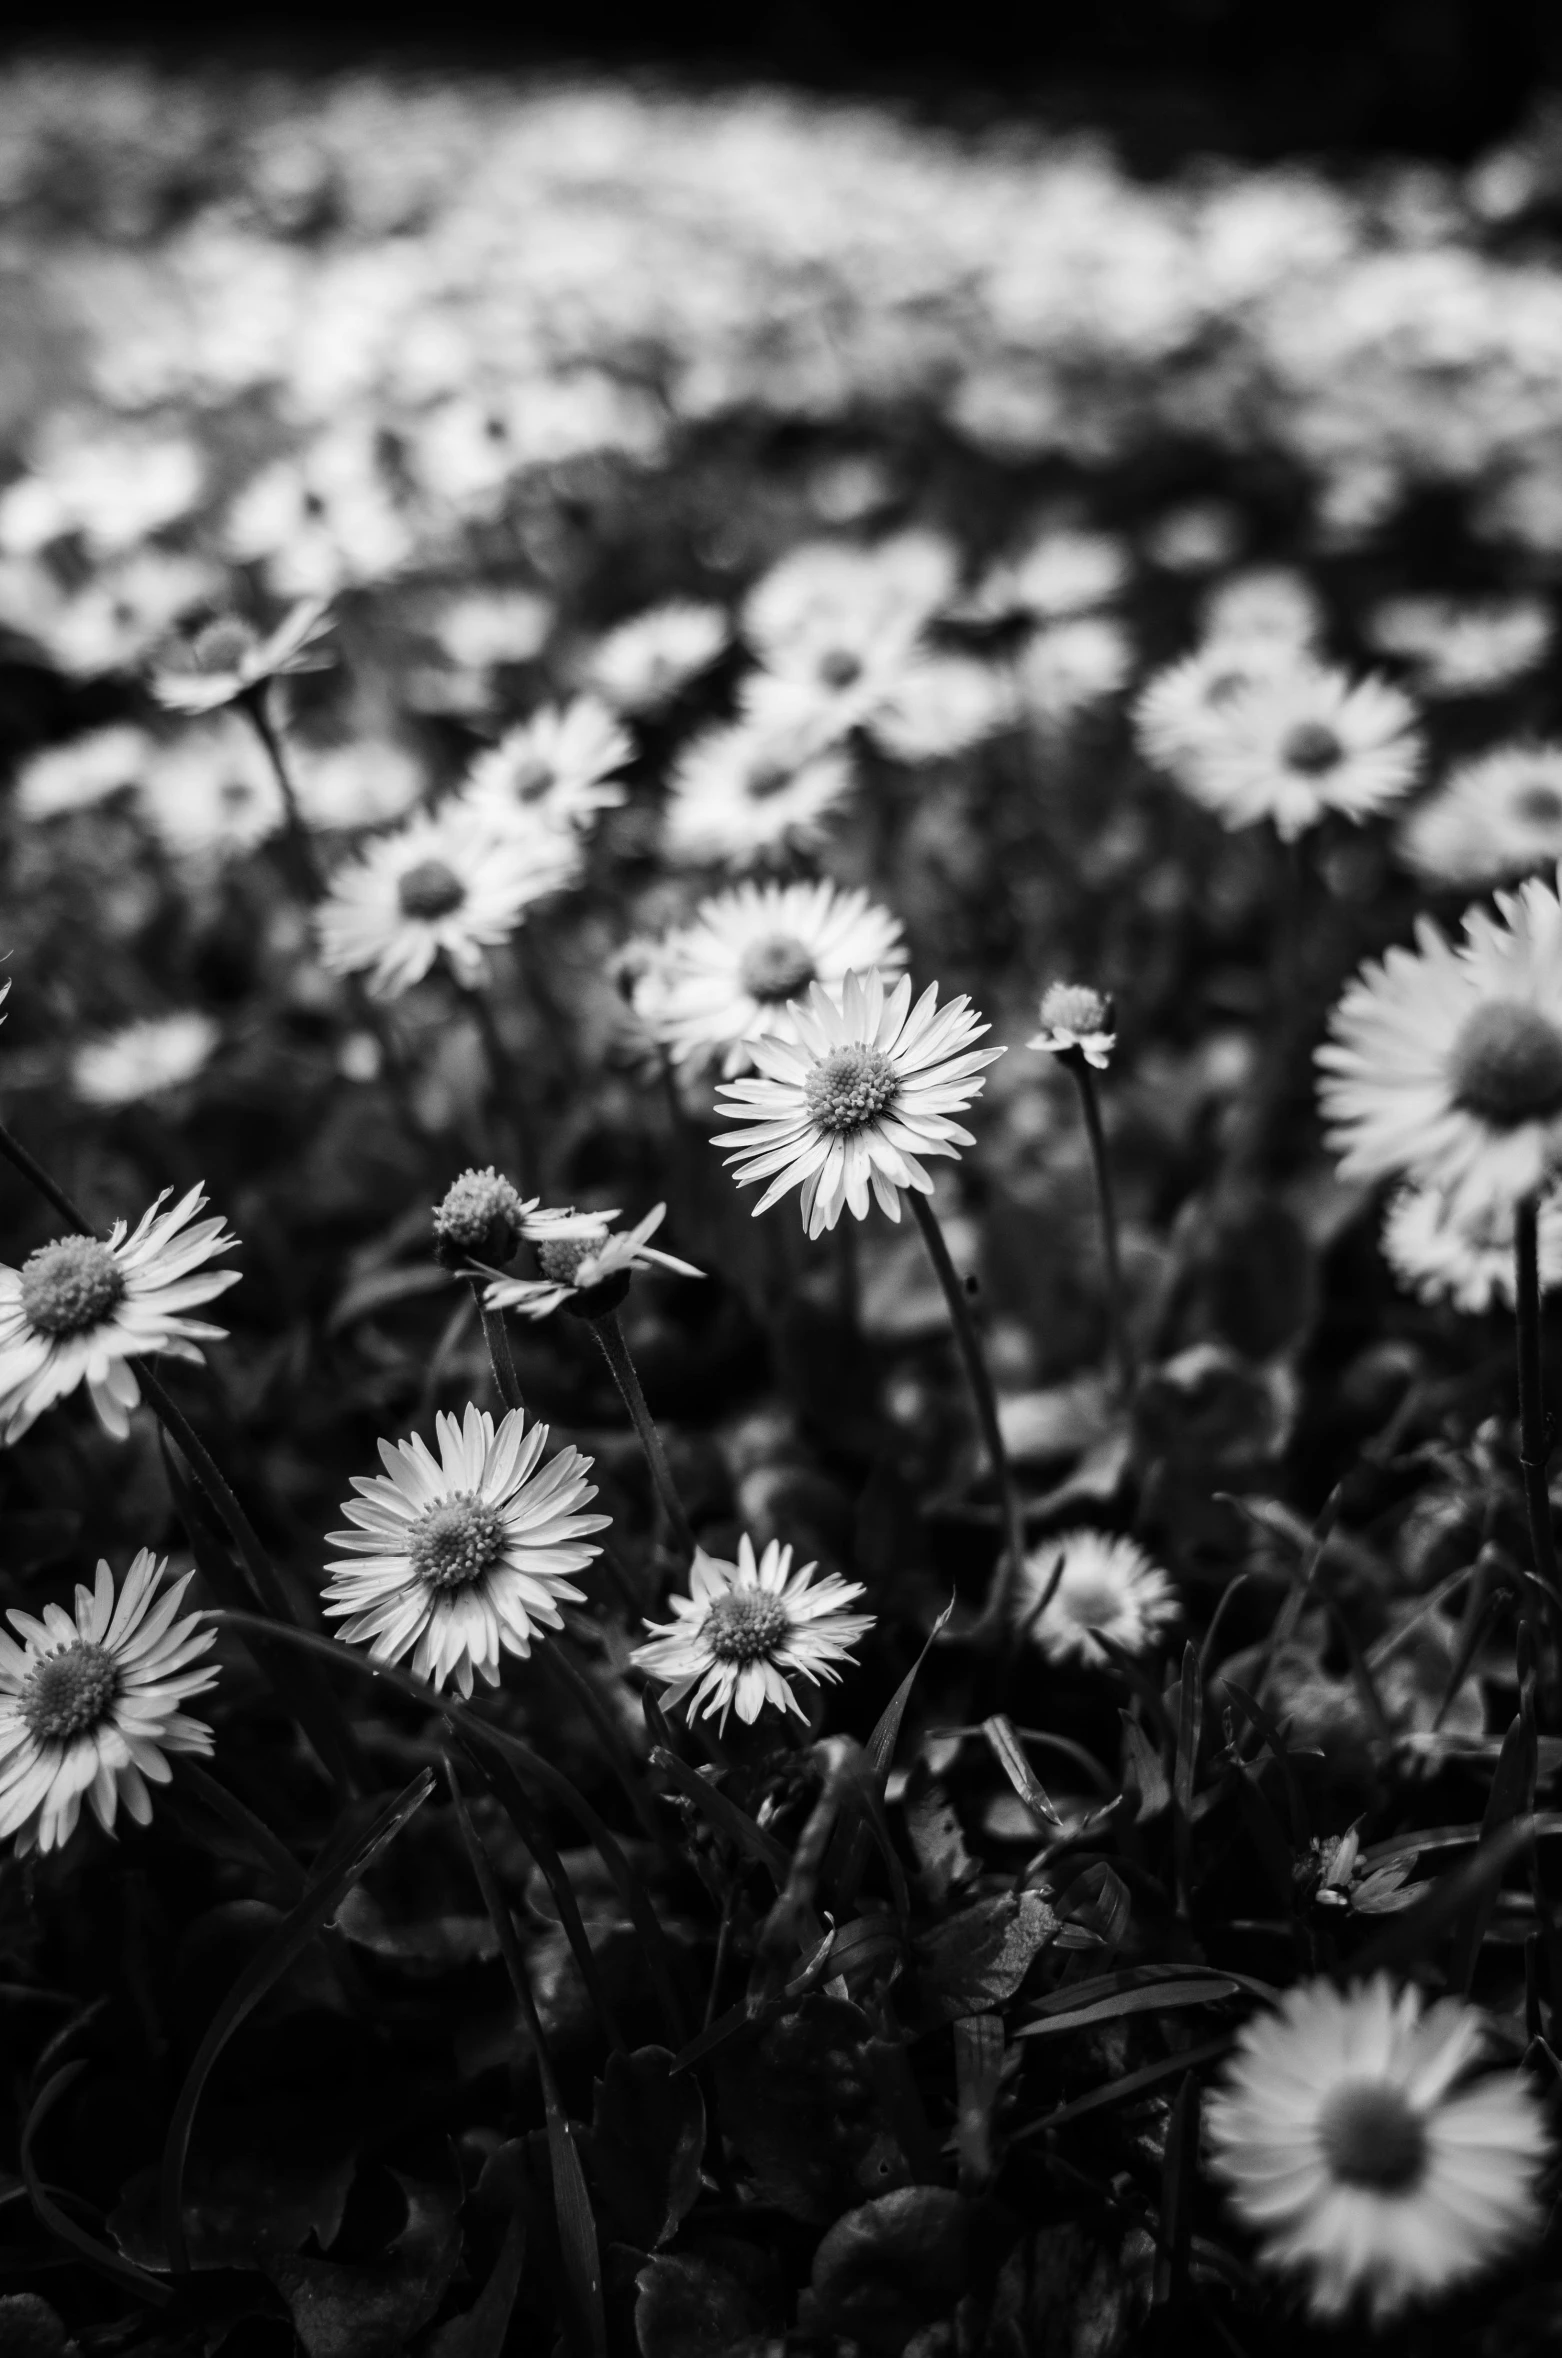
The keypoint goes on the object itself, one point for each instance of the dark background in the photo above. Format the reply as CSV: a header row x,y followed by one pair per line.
x,y
1440,78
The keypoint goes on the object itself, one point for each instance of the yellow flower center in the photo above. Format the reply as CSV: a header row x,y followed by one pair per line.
x,y
70,1285
222,645
429,889
776,969
841,668
456,1542
1537,805
745,1625
1312,749
851,1088
1074,1007
560,1256
532,778
1506,1065
69,1691
1371,2136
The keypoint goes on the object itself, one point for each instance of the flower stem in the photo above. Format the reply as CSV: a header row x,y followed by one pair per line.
x,y
497,1336
1090,1106
309,875
610,1335
1012,1556
1534,1441
36,1176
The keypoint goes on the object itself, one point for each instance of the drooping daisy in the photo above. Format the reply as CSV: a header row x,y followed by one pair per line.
x,y
1302,742
90,1703
460,1558
642,665
864,1085
1444,1063
229,659
556,767
1076,1020
1467,1263
746,1629
742,793
1493,819
1351,2145
445,883
1107,1583
1464,646
725,979
144,1058
80,1309
580,1262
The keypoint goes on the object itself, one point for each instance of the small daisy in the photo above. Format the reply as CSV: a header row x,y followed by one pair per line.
x,y
80,1309
832,608
1266,606
751,790
143,1059
1444,1063
229,659
210,792
1061,573
940,705
1076,1021
1183,708
866,1085
1107,1583
89,1704
460,1558
444,883
1350,2145
1303,742
556,767
1466,1263
726,979
1070,665
1496,818
85,772
1464,646
644,664
745,1629
579,1261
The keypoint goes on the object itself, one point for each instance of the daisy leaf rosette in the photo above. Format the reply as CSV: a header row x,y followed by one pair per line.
x,y
584,1267
90,1703
461,1558
845,1107
745,1630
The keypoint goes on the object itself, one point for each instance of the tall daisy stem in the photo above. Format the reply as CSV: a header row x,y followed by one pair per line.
x,y
1106,1201
36,1176
497,1336
1534,1440
986,1404
310,876
610,1335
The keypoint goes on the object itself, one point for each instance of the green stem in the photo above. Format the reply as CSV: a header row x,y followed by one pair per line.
x,y
36,1176
497,1336
1012,1556
1090,1106
1534,1439
610,1335
309,875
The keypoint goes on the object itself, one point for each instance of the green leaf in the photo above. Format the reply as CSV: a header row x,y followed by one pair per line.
x,y
1512,1795
647,2136
978,2079
340,2311
58,2222
978,1959
1144,1772
1006,1750
890,2267
800,2107
690,2307
734,1824
1413,1934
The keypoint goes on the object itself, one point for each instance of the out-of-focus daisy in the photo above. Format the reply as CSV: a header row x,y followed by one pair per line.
x,y
142,1059
1062,572
1351,2145
1306,741
1493,818
642,665
743,793
745,1630
1070,665
1463,646
368,782
1270,605
843,1106
113,485
583,1266
1444,1065
1183,709
80,1309
464,1557
444,884
210,791
1468,1262
556,769
475,632
941,705
1076,1020
114,618
725,979
1106,1583
74,777
1194,538
90,1703
229,659
828,609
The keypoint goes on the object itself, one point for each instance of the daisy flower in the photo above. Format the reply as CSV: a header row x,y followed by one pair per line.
x,y
443,883
725,979
87,771
212,791
830,609
1444,1063
229,659
1301,742
1467,1263
642,665
479,1218
746,1629
1107,1583
1076,1021
80,1309
555,767
1183,708
1070,665
748,791
142,1059
865,1084
1267,605
1494,818
580,1259
90,1703
1464,646
1351,2145
1062,572
460,1558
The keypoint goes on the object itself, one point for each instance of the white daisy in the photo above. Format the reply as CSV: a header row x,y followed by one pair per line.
x,y
88,770
1467,1263
866,1084
89,1704
725,979
746,1629
1302,742
142,1059
1076,1020
1062,572
750,790
940,705
445,883
642,665
830,609
1183,708
1267,605
229,658
1107,1583
464,1557
1463,646
578,1259
1494,818
556,768
1444,1063
1351,2146
211,791
80,1309
369,782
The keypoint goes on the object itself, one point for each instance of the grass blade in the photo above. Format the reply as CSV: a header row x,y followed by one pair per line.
x,y
109,2263
1006,1750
